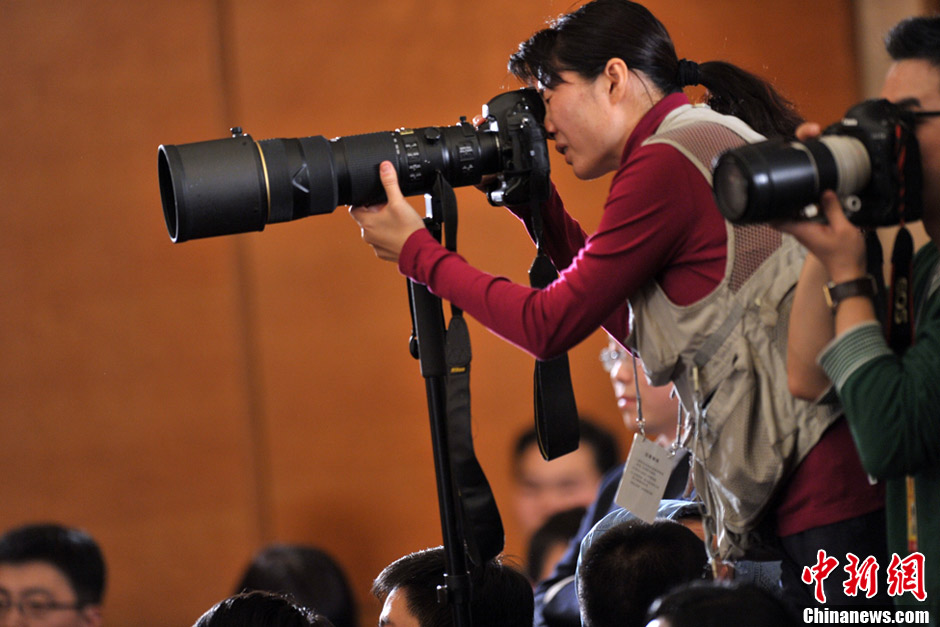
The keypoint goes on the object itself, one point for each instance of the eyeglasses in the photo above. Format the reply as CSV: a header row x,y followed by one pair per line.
x,y
610,356
920,115
34,607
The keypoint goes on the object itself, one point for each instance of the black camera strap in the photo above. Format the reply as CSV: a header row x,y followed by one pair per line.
x,y
897,316
900,321
875,263
483,527
556,412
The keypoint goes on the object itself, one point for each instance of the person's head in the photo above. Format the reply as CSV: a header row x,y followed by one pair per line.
x,y
603,66
630,565
308,576
914,79
550,541
720,603
544,487
659,403
500,594
260,609
50,575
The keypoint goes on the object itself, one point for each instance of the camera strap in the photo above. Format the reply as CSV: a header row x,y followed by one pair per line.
x,y
900,322
556,413
900,334
483,527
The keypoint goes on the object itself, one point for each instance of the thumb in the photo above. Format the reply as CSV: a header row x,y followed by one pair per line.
x,y
389,178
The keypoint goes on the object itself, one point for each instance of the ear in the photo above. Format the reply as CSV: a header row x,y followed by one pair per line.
x,y
617,78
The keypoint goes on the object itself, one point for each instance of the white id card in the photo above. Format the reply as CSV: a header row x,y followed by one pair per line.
x,y
644,480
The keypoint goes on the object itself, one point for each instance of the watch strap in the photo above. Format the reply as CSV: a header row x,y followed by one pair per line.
x,y
837,292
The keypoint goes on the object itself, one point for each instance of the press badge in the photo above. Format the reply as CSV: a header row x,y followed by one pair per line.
x,y
644,479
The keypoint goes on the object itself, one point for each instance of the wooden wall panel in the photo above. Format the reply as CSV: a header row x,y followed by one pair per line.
x,y
121,373
188,403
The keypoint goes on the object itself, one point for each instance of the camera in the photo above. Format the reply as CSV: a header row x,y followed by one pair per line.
x,y
871,159
235,185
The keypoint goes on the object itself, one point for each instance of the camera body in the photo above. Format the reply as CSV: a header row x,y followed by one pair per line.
x,y
235,185
870,158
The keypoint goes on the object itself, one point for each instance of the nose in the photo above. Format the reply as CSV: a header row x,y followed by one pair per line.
x,y
622,372
14,617
549,124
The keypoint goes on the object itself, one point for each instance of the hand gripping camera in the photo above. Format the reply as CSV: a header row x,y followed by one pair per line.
x,y
236,185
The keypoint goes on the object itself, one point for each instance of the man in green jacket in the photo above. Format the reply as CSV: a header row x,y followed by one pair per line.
x,y
891,398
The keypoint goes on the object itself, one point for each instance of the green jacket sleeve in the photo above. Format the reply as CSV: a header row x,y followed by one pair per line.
x,y
892,402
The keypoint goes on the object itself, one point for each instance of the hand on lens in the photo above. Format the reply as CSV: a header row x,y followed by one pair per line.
x,y
838,244
386,226
807,130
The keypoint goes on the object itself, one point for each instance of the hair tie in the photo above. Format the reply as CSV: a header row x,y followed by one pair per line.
x,y
688,73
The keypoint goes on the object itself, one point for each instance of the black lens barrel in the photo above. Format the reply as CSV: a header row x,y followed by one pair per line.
x,y
236,185
772,180
212,188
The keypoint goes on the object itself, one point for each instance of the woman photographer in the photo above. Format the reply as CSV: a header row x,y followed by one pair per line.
x,y
612,87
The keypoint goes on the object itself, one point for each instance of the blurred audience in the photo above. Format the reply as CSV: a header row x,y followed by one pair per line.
x,y
308,576
408,588
51,575
721,604
550,542
260,609
544,487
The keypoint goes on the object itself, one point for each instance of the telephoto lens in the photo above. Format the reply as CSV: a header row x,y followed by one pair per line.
x,y
780,180
871,159
235,185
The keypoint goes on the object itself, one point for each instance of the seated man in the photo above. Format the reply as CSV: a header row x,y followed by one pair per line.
x,y
627,566
500,594
544,488
50,575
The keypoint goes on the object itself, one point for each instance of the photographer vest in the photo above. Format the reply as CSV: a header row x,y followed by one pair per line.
x,y
726,355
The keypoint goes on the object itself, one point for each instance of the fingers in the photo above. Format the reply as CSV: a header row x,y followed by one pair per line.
x,y
807,130
835,214
389,178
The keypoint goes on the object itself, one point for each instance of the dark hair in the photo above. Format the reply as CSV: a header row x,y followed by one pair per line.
x,y
307,575
633,563
260,609
585,40
716,604
602,442
915,38
558,529
500,594
72,552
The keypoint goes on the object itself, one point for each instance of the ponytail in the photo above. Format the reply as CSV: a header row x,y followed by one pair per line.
x,y
737,92
584,40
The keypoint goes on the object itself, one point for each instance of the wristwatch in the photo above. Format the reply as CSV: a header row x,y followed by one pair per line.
x,y
837,292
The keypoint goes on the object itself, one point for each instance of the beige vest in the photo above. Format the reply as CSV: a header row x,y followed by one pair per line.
x,y
726,355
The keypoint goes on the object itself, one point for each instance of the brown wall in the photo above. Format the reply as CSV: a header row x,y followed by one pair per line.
x,y
187,403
